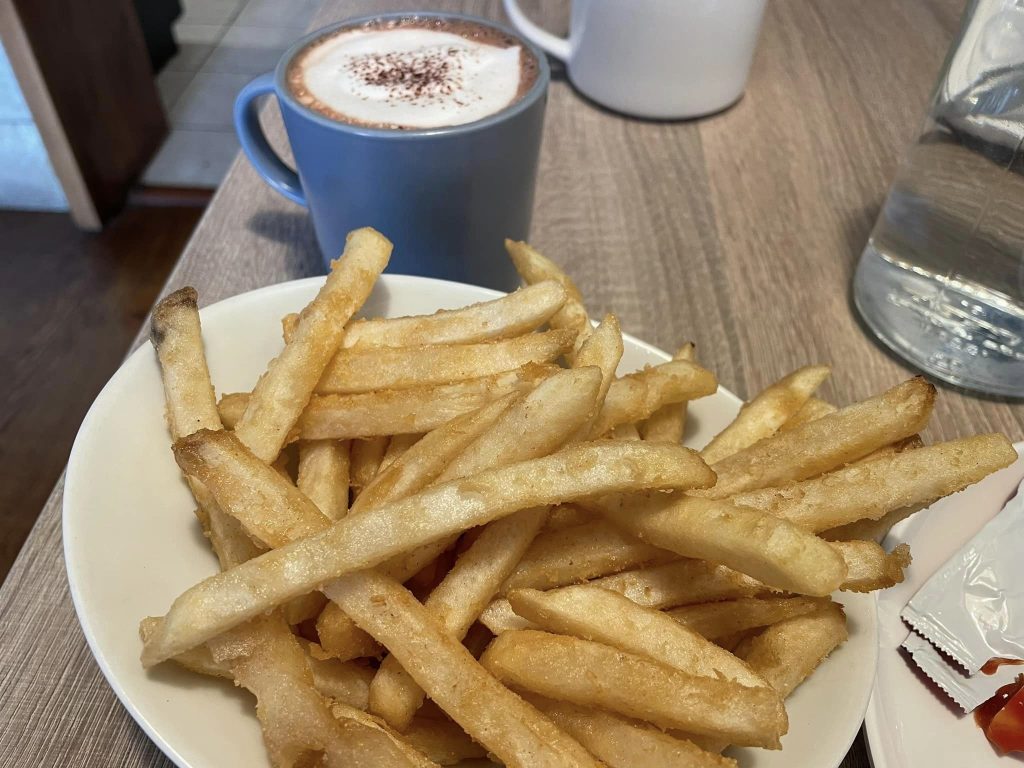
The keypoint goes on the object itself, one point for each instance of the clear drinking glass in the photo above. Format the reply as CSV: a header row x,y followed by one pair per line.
x,y
941,280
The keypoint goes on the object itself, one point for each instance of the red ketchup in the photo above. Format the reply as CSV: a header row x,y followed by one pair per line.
x,y
1002,717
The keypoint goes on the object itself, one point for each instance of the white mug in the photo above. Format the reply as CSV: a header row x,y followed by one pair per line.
x,y
665,59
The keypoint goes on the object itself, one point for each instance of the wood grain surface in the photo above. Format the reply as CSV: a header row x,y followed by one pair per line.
x,y
739,231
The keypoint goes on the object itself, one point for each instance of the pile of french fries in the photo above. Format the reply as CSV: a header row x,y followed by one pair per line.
x,y
438,543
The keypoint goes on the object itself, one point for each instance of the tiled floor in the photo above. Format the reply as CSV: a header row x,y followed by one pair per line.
x,y
224,44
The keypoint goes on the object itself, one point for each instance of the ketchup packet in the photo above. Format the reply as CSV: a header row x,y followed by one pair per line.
x,y
968,618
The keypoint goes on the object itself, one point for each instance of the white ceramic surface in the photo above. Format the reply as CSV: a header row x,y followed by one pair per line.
x,y
662,59
132,544
909,721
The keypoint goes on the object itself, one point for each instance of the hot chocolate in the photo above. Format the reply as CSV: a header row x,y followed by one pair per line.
x,y
413,73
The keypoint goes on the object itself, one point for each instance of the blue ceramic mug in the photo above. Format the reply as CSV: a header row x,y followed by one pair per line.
x,y
446,197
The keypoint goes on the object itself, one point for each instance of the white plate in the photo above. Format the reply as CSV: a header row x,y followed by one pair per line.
x,y
910,722
132,545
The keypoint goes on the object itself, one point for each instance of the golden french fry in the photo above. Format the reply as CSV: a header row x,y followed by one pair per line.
x,y
248,489
362,541
515,732
667,424
283,391
622,743
636,396
397,447
607,617
762,416
911,443
729,617
231,407
913,478
341,638
513,315
772,550
602,348
365,369
661,586
786,653
535,268
343,681
442,741
584,551
870,530
536,425
419,409
593,674
828,442
812,409
324,475
568,516
367,455
625,432
869,567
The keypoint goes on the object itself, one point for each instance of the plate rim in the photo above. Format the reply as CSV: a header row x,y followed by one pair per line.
x,y
209,312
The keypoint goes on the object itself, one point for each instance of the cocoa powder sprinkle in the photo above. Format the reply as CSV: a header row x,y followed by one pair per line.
x,y
412,76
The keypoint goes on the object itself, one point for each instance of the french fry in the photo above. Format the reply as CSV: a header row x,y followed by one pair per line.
x,y
362,541
828,442
661,586
535,268
231,406
718,620
419,409
636,396
324,475
607,617
772,550
567,516
911,443
593,674
248,488
515,732
343,681
283,391
869,567
667,424
585,551
786,653
367,455
870,530
535,426
513,315
762,416
625,432
812,409
442,741
622,743
397,447
367,369
602,348
341,638
872,489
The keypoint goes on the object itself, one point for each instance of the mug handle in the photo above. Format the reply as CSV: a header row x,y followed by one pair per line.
x,y
557,46
254,142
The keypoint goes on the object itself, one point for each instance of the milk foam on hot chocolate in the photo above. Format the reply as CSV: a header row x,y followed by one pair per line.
x,y
407,77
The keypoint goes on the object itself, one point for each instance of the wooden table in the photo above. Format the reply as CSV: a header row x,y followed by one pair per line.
x,y
740,232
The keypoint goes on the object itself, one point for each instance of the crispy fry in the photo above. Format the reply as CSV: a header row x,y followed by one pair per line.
x,y
786,653
284,389
622,743
762,416
607,617
667,424
636,396
367,455
718,620
397,447
365,369
603,348
442,741
538,424
873,489
585,551
911,443
588,673
535,268
341,638
324,475
870,530
812,409
870,567
567,516
774,551
495,717
827,443
362,541
513,315
420,409
625,432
